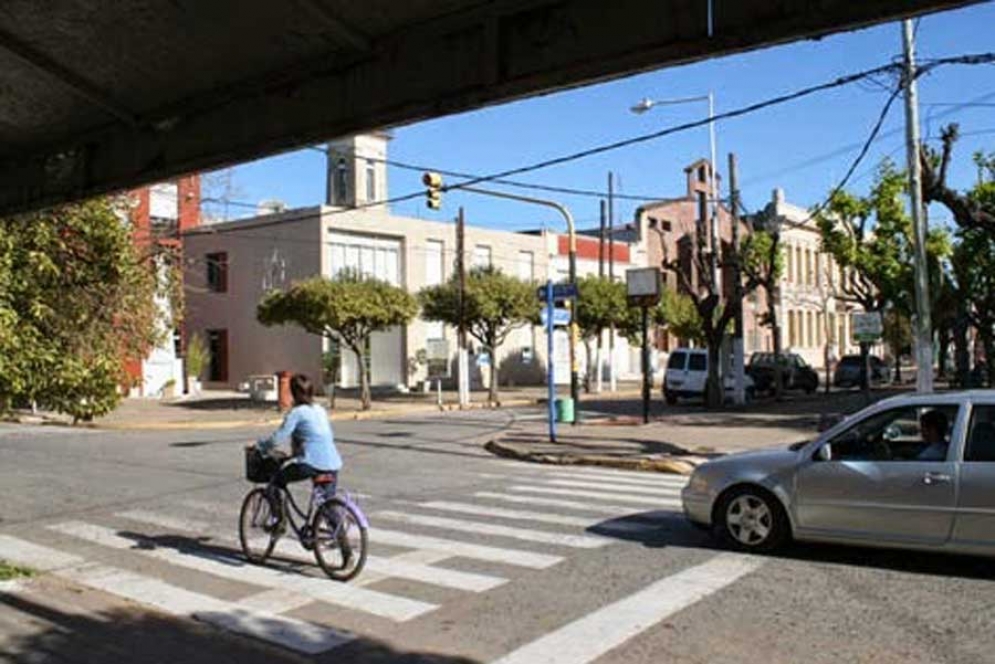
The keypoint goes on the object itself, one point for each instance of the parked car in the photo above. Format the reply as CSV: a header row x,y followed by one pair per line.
x,y
795,372
687,373
850,371
863,482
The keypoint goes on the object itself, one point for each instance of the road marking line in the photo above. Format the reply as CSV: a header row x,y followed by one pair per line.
x,y
266,626
413,571
413,568
501,513
590,637
26,554
168,522
231,566
602,486
275,600
615,510
600,495
558,539
463,549
665,481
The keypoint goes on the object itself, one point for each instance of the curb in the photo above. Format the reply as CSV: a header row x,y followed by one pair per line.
x,y
335,416
670,465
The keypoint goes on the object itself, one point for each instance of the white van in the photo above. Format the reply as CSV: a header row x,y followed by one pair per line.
x,y
687,373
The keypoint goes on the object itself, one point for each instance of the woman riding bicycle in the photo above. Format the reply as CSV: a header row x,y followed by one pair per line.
x,y
312,441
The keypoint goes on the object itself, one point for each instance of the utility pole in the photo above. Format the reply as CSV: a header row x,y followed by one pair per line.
x,y
738,371
922,320
462,362
598,386
612,379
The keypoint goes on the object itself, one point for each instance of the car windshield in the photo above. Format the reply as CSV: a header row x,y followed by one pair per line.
x,y
850,361
676,360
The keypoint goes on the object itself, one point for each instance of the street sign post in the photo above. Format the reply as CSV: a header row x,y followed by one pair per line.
x,y
549,299
642,287
437,357
561,317
867,327
559,292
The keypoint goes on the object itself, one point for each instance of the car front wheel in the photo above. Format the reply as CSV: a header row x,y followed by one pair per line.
x,y
751,519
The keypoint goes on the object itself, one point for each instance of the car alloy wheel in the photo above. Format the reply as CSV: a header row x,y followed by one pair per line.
x,y
749,520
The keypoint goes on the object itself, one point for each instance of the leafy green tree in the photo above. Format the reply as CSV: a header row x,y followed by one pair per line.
x,y
601,303
977,249
77,298
494,305
871,239
350,308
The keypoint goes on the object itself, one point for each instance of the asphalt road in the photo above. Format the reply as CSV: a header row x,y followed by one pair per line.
x,y
476,560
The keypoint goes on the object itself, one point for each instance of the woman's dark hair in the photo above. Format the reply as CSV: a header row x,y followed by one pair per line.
x,y
302,390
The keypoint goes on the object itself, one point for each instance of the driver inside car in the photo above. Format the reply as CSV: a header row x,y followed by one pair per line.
x,y
933,426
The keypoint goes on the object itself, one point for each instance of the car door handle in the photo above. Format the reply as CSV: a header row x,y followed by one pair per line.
x,y
936,478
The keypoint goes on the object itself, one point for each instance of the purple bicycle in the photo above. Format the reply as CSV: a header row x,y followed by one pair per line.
x,y
333,527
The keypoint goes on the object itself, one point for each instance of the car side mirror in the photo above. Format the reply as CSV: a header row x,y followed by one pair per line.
x,y
824,453
829,420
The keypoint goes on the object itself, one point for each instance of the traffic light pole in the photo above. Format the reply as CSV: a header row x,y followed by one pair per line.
x,y
571,231
463,386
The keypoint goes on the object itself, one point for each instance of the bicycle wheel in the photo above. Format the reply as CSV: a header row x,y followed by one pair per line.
x,y
339,540
254,527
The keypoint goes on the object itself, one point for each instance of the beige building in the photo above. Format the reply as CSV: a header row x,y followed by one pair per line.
x,y
233,264
813,320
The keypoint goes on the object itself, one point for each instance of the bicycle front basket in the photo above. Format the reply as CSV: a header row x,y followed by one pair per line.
x,y
259,468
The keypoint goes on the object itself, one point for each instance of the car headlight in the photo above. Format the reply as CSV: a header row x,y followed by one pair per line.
x,y
698,483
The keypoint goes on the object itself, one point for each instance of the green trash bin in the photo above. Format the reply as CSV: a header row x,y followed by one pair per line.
x,y
565,410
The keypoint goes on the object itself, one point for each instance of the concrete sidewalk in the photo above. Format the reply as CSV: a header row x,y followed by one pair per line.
x,y
678,438
229,409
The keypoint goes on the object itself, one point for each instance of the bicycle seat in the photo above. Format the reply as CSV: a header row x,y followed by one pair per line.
x,y
323,478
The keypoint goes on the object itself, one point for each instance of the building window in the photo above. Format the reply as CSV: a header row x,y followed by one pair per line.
x,y
810,321
433,262
341,181
702,174
217,346
371,181
217,272
526,265
481,256
666,226
702,206
790,267
799,267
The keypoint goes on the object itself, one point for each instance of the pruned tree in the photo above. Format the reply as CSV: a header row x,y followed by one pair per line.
x,y
969,211
763,266
705,293
77,298
349,308
494,305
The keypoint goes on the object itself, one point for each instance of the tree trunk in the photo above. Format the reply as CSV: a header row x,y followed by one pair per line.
x,y
598,381
493,397
713,386
961,355
778,370
587,374
825,362
364,379
943,351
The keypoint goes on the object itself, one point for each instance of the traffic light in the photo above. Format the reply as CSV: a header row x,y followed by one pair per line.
x,y
433,192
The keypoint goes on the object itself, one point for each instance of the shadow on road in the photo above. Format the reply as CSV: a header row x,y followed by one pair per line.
x,y
145,637
658,529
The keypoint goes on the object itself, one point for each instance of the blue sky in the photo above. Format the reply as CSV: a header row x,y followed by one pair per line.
x,y
804,147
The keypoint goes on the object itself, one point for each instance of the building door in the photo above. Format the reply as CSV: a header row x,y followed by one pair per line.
x,y
217,344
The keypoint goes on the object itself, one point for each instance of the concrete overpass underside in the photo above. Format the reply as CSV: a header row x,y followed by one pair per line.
x,y
100,95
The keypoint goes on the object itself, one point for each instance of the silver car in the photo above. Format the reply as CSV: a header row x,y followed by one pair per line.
x,y
886,476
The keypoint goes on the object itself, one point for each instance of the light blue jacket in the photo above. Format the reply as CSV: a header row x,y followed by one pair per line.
x,y
311,436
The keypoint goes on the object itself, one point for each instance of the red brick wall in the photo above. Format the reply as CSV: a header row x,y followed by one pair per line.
x,y
589,248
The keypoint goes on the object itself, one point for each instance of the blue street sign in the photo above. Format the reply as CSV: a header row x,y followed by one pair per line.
x,y
561,317
560,292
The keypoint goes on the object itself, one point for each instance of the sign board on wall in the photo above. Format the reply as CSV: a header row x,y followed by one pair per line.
x,y
437,354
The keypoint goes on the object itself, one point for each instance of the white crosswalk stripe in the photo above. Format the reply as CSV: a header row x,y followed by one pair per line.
x,y
554,491
264,625
231,566
593,635
598,508
396,566
668,492
575,541
522,515
464,550
168,522
651,480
